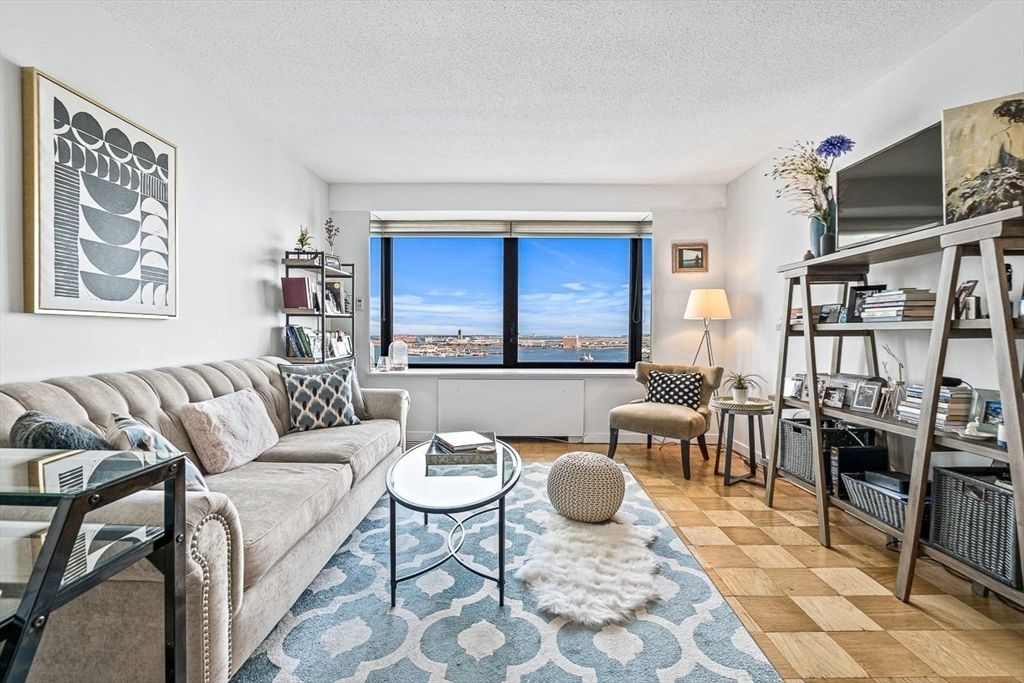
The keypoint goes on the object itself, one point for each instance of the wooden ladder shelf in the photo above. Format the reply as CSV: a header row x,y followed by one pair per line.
x,y
989,237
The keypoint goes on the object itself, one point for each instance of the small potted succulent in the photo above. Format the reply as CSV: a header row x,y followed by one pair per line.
x,y
741,384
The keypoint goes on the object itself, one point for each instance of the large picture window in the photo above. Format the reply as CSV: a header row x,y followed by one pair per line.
x,y
512,301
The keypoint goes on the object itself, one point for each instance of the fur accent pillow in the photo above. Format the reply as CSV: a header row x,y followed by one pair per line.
x,y
680,389
39,430
129,433
319,401
309,369
230,430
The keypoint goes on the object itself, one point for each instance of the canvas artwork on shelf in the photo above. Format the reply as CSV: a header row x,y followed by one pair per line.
x,y
100,213
983,156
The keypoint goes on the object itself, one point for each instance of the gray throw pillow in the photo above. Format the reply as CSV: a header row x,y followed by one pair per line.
x,y
39,430
329,367
129,433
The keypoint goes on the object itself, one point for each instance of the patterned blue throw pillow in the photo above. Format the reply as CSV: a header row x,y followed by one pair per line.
x,y
317,401
128,433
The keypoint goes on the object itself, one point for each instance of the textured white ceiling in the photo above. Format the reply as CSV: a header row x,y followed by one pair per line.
x,y
536,92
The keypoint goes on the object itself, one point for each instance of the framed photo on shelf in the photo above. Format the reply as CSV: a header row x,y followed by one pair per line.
x,y
849,382
865,398
100,208
793,387
855,300
963,293
987,410
834,397
690,258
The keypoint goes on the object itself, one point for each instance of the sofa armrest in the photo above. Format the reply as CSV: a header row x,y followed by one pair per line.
x,y
214,571
390,404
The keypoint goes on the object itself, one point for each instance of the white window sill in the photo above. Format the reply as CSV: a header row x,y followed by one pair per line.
x,y
509,373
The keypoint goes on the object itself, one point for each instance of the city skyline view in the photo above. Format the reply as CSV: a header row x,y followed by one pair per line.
x,y
567,286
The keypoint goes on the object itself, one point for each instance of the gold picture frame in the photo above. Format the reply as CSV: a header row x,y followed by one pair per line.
x,y
690,258
100,208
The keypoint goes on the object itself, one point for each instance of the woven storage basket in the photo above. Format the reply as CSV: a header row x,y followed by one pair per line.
x,y
974,521
882,504
796,445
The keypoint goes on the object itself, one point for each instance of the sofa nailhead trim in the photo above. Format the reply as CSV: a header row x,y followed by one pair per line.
x,y
204,565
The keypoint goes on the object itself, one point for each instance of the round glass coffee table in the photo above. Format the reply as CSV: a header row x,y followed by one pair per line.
x,y
446,484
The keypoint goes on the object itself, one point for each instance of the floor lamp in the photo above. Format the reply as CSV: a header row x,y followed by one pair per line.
x,y
707,305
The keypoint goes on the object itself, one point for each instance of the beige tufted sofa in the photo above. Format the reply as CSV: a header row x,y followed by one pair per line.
x,y
255,540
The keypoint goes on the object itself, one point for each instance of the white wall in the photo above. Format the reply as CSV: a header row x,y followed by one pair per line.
x,y
680,214
979,60
241,199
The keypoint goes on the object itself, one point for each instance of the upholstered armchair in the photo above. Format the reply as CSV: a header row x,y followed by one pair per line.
x,y
667,419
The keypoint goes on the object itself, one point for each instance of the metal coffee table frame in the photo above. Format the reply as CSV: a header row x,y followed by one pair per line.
x,y
450,512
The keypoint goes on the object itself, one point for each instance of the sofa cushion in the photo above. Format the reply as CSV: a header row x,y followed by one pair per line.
x,y
230,430
36,429
131,434
278,503
310,369
320,401
362,446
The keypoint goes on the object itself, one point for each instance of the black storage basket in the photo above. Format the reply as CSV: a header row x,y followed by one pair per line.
x,y
974,521
882,504
796,447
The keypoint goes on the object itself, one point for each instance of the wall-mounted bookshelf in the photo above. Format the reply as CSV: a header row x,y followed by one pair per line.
x,y
989,238
326,278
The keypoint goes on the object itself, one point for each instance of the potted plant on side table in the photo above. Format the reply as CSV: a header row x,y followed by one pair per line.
x,y
741,384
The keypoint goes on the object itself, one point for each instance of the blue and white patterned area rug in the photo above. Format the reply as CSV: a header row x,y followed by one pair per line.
x,y
448,626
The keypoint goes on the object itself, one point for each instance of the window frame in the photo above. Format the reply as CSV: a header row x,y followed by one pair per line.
x,y
510,313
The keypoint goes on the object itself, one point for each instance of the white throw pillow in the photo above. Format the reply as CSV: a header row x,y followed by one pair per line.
x,y
230,430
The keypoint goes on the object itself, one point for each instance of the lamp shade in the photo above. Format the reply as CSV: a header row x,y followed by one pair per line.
x,y
707,303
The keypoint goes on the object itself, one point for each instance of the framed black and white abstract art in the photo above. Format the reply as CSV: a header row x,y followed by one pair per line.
x,y
100,209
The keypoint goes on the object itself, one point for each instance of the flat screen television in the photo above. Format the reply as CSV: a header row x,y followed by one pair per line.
x,y
898,189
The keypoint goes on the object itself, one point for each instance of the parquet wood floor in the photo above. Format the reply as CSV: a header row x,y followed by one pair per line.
x,y
818,613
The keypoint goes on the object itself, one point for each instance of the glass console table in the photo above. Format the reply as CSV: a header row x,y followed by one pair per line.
x,y
50,553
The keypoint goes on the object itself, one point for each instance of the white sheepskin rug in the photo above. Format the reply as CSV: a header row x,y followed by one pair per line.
x,y
592,574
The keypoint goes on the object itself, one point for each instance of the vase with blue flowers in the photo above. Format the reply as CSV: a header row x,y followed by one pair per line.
x,y
805,173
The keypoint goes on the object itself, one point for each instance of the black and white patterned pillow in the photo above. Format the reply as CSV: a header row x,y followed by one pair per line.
x,y
665,387
318,401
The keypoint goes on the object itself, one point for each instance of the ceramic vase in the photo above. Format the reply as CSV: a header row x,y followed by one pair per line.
x,y
817,230
740,395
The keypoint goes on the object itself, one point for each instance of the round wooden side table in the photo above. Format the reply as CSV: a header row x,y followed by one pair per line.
x,y
754,409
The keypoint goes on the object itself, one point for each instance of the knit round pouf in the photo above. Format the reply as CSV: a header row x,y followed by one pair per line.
x,y
586,487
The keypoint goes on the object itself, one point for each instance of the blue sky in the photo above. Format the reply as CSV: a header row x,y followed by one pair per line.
x,y
566,286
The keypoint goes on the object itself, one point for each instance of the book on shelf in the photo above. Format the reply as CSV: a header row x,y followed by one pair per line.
x,y
948,393
460,442
295,292
903,294
300,292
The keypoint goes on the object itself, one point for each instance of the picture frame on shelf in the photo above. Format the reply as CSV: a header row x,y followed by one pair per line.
x,y
691,257
849,382
793,387
820,388
963,292
865,398
987,410
834,397
855,300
